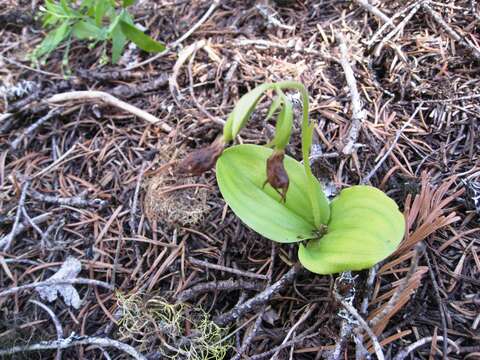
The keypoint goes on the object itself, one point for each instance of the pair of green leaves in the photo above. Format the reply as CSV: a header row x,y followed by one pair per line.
x,y
359,228
87,22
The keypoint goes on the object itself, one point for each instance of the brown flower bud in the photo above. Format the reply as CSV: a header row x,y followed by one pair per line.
x,y
201,160
277,176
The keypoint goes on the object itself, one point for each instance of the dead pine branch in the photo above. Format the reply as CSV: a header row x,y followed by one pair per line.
x,y
404,353
225,285
109,100
33,128
74,341
226,269
399,292
374,11
399,133
56,322
347,283
6,241
46,283
75,201
364,325
260,299
358,114
474,51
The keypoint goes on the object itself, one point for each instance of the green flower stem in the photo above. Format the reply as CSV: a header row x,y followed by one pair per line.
x,y
307,136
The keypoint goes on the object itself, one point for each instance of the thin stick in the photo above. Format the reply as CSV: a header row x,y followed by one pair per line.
x,y
364,325
384,26
75,201
110,100
248,340
260,299
401,288
7,240
453,34
367,178
358,114
32,128
177,42
375,11
215,286
398,28
83,281
226,269
280,347
404,353
56,322
304,317
74,341
440,306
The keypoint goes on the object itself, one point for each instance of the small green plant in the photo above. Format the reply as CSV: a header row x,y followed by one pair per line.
x,y
98,21
279,197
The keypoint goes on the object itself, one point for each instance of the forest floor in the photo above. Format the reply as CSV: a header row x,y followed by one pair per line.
x,y
157,266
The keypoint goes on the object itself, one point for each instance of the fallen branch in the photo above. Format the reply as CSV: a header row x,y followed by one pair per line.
x,y
260,299
367,178
358,114
452,33
83,281
375,11
226,269
32,128
110,100
216,286
56,322
75,201
74,341
364,325
404,353
399,292
7,240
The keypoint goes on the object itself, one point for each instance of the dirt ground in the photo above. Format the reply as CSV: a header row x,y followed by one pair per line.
x,y
162,268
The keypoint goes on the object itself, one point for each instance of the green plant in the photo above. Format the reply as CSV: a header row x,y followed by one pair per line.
x,y
279,197
98,21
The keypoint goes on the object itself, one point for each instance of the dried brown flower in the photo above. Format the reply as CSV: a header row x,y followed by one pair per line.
x,y
277,176
201,160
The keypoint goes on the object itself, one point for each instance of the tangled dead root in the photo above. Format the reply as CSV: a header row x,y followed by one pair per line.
x,y
175,200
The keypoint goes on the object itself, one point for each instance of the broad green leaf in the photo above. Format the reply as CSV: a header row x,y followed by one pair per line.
x,y
88,4
52,40
118,43
365,227
143,41
127,3
101,7
241,173
283,128
83,30
66,8
242,111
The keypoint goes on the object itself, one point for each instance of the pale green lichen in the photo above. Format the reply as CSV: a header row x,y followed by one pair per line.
x,y
146,322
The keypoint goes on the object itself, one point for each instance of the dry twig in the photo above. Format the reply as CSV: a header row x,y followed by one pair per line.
x,y
56,322
259,299
452,33
110,100
74,341
358,114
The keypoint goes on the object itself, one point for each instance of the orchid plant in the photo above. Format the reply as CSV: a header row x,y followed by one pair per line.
x,y
279,197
